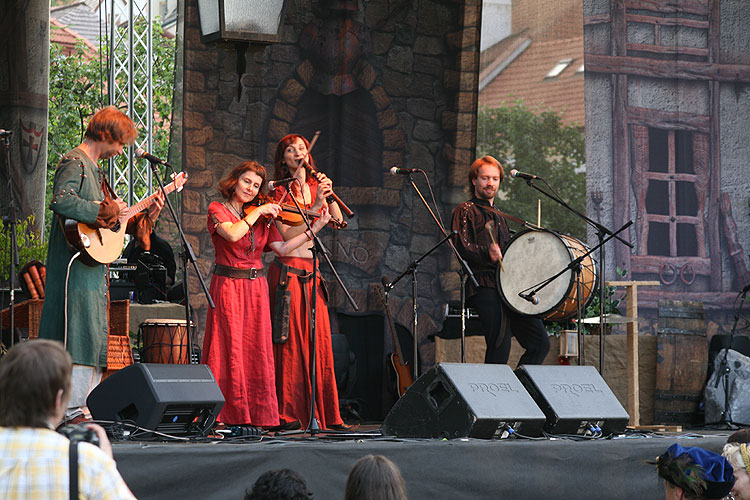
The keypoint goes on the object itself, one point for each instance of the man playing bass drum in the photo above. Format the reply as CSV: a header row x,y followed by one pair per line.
x,y
476,244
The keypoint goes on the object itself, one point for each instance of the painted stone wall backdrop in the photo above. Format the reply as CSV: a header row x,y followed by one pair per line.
x,y
24,82
386,84
666,141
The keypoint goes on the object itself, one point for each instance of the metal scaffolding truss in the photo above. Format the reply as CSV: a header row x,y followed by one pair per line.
x,y
130,87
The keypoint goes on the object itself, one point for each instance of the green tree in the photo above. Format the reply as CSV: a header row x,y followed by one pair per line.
x,y
78,88
537,141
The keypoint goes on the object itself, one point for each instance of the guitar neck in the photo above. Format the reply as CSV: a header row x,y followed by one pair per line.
x,y
392,326
134,209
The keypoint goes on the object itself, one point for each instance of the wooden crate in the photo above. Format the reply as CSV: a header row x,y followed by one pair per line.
x,y
682,362
119,317
26,314
119,353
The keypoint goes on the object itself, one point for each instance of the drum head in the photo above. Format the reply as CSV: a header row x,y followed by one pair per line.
x,y
530,258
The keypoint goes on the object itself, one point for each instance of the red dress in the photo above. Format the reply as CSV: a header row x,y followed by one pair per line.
x,y
293,357
237,345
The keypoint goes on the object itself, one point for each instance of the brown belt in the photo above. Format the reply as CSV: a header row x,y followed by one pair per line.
x,y
238,272
285,268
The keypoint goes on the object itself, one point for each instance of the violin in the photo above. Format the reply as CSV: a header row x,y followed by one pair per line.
x,y
290,215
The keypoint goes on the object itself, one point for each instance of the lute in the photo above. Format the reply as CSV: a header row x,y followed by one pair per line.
x,y
101,245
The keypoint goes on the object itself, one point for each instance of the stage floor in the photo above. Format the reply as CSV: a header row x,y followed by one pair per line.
x,y
433,469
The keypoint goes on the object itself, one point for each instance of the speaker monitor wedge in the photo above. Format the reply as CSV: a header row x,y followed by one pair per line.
x,y
454,400
173,399
573,398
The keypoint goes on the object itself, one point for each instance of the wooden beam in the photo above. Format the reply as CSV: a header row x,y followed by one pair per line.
x,y
714,186
631,299
596,19
654,68
666,21
652,263
667,49
697,7
670,120
664,176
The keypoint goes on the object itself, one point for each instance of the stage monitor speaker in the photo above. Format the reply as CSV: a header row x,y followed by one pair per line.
x,y
454,400
173,399
574,399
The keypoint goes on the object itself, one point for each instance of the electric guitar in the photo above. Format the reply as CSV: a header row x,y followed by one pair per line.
x,y
102,245
402,368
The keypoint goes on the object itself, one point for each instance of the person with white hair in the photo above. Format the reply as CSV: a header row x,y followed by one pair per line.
x,y
738,454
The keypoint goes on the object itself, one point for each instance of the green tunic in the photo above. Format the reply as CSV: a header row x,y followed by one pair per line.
x,y
77,185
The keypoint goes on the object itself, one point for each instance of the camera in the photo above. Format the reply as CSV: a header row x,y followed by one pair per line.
x,y
78,433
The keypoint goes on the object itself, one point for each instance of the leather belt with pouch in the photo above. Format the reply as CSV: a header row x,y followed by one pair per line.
x,y
282,301
238,272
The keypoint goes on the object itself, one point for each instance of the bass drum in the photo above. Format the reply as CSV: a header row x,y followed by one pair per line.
x,y
533,256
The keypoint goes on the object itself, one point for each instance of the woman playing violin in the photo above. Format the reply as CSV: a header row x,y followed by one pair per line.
x,y
291,288
237,345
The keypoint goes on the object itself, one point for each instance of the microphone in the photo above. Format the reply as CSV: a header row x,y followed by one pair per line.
x,y
274,184
403,171
523,175
530,297
386,283
140,153
5,133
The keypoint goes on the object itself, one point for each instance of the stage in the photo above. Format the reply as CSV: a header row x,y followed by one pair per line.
x,y
432,468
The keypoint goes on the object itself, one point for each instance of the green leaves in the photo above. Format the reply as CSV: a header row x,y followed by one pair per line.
x,y
30,246
78,88
537,142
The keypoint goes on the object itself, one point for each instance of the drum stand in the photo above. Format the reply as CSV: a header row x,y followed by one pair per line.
x,y
575,267
187,254
317,249
601,231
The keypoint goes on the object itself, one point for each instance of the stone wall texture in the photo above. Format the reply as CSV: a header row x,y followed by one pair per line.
x,y
397,82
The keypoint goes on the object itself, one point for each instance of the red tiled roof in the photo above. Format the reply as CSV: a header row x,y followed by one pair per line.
x,y
67,38
524,79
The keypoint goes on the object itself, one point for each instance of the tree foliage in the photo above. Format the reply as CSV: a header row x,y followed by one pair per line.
x,y
538,142
30,246
78,88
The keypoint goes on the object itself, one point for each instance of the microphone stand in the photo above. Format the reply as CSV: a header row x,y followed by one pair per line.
x,y
601,231
317,249
726,370
413,268
10,223
187,254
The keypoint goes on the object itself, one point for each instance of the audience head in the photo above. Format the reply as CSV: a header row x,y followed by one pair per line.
x,y
740,436
694,473
374,477
738,454
282,484
35,378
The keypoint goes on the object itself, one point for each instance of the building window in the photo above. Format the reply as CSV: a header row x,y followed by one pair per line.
x,y
559,68
669,178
